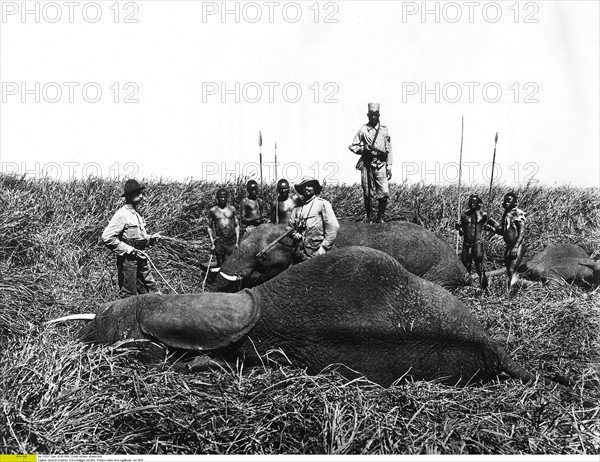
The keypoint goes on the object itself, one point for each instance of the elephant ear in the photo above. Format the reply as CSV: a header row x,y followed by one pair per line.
x,y
198,322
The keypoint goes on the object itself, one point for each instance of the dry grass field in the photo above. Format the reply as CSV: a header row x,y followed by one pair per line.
x,y
59,396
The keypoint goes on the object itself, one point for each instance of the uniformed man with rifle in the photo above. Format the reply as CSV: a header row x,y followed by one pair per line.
x,y
373,144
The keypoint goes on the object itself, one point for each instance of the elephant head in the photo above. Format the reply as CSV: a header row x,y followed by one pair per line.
x,y
245,268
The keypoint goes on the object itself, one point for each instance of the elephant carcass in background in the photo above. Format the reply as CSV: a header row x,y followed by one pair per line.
x,y
563,262
356,307
419,250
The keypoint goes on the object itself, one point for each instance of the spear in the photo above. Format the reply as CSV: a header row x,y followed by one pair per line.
x,y
492,233
260,156
493,165
275,160
462,131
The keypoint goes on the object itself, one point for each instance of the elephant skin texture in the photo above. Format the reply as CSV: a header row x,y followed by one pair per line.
x,y
565,263
419,250
357,308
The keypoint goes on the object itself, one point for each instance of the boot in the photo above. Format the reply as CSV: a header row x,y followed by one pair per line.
x,y
381,212
369,209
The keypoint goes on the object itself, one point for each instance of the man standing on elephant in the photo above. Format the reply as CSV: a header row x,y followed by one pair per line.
x,y
282,206
471,227
223,227
512,230
374,145
314,224
126,235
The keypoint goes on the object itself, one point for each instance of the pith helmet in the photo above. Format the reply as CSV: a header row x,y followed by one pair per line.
x,y
308,181
132,186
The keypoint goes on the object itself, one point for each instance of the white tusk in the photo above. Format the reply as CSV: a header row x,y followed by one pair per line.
x,y
229,278
74,317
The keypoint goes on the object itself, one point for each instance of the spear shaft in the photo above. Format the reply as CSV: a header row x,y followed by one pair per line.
x,y
493,167
275,160
260,156
462,131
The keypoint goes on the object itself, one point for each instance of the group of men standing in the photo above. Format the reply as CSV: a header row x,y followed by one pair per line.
x,y
311,221
473,224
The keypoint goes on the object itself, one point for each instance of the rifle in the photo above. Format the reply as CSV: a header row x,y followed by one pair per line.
x,y
272,244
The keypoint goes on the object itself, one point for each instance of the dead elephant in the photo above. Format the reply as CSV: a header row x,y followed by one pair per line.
x,y
565,263
356,307
419,250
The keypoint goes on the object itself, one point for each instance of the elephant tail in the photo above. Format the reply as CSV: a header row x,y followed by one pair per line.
x,y
515,371
74,317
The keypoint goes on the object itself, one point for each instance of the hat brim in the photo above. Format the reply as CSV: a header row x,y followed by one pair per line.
x,y
133,191
314,183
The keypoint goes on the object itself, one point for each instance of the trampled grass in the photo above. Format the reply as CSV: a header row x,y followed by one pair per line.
x,y
61,397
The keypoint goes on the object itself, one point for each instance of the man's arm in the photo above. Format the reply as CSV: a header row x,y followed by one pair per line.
x,y
520,225
494,226
261,209
388,149
111,233
358,145
209,227
331,226
274,212
460,227
236,228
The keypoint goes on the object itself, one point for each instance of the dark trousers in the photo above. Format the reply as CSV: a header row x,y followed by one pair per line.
x,y
134,276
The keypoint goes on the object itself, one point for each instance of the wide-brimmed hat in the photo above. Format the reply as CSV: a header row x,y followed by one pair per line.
x,y
132,186
308,181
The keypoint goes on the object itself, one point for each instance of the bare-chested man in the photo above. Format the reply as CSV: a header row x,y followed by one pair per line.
x,y
471,227
223,227
282,206
252,207
512,230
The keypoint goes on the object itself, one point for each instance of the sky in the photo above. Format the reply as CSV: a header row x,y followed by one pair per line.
x,y
180,90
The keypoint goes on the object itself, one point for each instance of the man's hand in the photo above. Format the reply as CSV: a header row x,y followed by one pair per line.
x,y
154,238
139,254
296,236
513,252
212,246
388,172
320,251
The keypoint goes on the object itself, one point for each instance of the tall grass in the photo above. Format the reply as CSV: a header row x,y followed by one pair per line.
x,y
59,396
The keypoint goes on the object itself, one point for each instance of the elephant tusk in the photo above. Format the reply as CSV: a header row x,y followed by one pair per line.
x,y
229,278
74,317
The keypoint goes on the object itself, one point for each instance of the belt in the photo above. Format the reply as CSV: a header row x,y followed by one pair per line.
x,y
139,244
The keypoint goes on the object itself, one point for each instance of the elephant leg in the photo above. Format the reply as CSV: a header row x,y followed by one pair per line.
x,y
382,206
